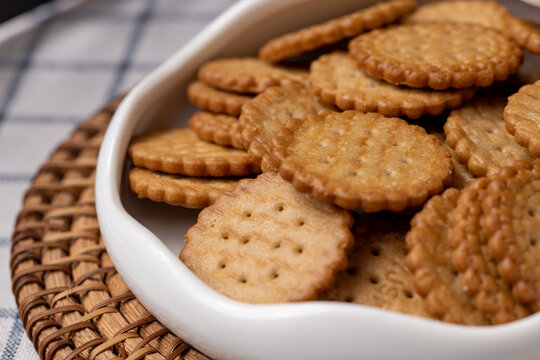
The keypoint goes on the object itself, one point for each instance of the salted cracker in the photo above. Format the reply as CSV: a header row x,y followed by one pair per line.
x,y
217,128
361,160
526,33
438,55
481,12
477,134
512,224
376,274
268,112
248,75
334,30
214,100
178,190
479,275
522,117
267,243
430,260
180,151
338,80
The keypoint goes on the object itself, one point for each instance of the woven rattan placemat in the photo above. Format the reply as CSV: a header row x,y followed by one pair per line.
x,y
72,302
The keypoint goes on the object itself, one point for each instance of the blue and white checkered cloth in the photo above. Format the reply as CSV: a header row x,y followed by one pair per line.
x,y
58,64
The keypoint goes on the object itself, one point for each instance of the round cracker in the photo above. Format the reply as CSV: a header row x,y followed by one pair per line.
x,y
522,116
334,30
362,160
338,80
248,75
477,134
470,257
268,112
377,274
180,151
512,223
430,259
461,176
437,55
214,100
526,33
178,190
266,243
219,129
485,13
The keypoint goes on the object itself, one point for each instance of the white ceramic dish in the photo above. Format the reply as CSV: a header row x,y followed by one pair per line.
x,y
144,238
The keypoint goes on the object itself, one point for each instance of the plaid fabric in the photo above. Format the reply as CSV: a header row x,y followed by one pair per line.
x,y
54,73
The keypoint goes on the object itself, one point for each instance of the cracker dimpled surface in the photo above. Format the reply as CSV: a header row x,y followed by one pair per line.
x,y
265,242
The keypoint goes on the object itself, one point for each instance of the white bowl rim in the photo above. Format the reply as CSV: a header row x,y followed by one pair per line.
x,y
138,258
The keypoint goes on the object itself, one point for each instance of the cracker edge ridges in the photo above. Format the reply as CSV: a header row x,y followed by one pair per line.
x,y
347,236
413,110
159,193
497,225
305,183
385,13
481,286
511,119
422,76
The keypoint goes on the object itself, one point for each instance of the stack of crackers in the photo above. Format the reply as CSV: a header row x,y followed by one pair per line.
x,y
395,173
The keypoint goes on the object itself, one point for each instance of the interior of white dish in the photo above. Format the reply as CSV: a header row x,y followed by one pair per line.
x,y
144,238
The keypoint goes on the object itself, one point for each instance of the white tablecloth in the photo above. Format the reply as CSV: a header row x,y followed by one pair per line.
x,y
58,64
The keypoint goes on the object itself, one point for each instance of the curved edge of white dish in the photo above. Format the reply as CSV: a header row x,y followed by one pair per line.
x,y
229,329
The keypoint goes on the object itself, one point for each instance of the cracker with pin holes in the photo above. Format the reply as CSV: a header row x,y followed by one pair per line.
x,y
438,55
430,260
217,128
265,242
477,134
362,160
479,275
512,225
214,100
248,75
486,13
522,117
263,116
335,30
180,151
376,274
338,80
526,33
178,190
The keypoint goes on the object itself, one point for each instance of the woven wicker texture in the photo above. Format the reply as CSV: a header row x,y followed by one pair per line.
x,y
71,300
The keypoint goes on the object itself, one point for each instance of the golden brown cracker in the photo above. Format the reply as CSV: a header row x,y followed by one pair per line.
x,y
477,134
268,112
512,224
430,259
485,13
338,80
248,75
461,176
437,55
217,128
266,243
522,117
526,33
334,30
180,151
214,100
479,275
361,160
178,190
376,274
